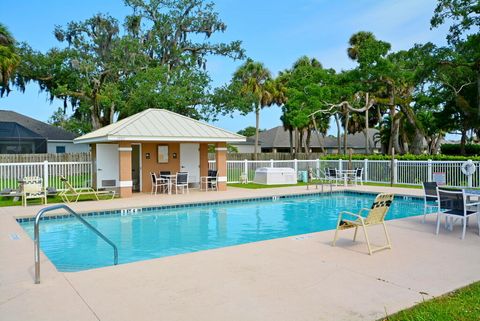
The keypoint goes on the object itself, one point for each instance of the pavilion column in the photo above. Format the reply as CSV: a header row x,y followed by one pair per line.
x,y
203,159
93,151
221,161
125,168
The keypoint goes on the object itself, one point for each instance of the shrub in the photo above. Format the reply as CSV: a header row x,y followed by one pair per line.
x,y
454,149
403,157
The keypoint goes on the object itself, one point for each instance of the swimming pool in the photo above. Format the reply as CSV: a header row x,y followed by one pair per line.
x,y
152,233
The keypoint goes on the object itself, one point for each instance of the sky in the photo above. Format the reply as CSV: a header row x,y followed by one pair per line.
x,y
275,32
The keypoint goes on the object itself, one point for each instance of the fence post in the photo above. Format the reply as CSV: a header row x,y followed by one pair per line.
x,y
430,173
245,168
470,177
318,167
365,170
340,164
295,164
271,163
45,174
395,171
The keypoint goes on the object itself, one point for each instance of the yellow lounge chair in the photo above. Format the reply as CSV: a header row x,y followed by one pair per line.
x,y
376,215
72,194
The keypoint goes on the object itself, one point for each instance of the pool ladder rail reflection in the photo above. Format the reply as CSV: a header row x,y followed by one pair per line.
x,y
74,214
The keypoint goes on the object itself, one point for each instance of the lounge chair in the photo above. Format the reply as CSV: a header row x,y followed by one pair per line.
x,y
454,205
430,197
376,215
72,194
31,188
15,193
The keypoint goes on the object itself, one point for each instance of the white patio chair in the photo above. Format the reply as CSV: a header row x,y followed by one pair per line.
x,y
358,176
332,175
158,182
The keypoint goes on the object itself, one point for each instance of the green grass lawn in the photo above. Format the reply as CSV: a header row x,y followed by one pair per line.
x,y
394,185
9,201
258,186
460,305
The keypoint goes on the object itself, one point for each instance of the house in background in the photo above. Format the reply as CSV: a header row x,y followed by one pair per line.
x,y
20,134
247,146
277,140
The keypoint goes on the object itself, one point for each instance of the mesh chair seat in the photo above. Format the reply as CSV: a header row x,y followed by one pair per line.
x,y
458,212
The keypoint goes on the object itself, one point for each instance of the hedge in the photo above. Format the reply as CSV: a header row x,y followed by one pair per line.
x,y
438,157
454,149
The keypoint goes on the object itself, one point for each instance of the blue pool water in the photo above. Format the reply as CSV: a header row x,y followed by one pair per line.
x,y
152,234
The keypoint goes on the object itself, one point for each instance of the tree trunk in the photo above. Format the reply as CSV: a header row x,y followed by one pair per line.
x,y
112,113
463,142
435,144
320,143
395,126
367,148
395,134
339,145
96,122
307,142
417,143
300,141
345,133
478,88
296,141
257,130
290,136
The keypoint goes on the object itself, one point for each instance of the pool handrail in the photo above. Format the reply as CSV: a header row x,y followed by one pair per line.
x,y
80,218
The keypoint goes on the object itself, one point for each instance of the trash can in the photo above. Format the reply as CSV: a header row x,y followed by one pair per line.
x,y
303,176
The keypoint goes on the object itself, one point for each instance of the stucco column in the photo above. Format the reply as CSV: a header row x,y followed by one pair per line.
x,y
93,151
221,160
125,168
203,159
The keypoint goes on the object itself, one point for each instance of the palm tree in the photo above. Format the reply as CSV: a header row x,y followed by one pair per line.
x,y
256,81
9,59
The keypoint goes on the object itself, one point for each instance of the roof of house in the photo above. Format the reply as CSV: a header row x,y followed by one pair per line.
x,y
159,125
278,137
248,141
49,132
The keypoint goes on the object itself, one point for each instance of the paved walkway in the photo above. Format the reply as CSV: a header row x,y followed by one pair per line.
x,y
293,278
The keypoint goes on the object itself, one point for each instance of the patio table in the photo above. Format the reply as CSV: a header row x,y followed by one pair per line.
x,y
171,178
470,193
346,174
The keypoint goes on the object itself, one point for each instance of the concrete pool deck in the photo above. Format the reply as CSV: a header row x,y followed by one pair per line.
x,y
293,278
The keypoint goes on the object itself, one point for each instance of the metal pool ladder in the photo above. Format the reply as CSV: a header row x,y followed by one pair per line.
x,y
80,218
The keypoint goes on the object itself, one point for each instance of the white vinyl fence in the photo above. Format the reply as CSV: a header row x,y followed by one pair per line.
x,y
79,174
404,172
377,171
